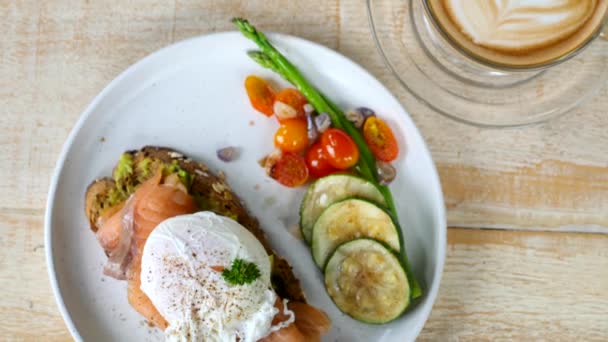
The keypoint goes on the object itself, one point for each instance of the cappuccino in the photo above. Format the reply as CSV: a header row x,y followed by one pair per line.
x,y
519,33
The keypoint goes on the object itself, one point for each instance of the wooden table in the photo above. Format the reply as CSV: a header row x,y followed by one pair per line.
x,y
528,208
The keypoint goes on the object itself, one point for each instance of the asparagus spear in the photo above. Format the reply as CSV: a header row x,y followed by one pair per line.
x,y
269,57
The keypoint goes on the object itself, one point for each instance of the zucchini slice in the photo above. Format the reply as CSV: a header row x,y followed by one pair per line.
x,y
330,189
367,282
350,219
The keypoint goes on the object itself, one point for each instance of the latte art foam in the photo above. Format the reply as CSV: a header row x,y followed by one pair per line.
x,y
519,33
515,25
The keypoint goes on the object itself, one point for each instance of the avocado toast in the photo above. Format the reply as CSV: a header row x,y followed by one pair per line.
x,y
209,191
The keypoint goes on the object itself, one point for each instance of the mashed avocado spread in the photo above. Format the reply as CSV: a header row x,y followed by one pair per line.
x,y
128,175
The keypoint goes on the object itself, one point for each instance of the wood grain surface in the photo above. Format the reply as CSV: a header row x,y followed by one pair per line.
x,y
541,273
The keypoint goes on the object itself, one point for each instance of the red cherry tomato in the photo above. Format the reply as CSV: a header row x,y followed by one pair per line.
x,y
380,139
317,162
290,170
340,149
291,104
292,136
260,94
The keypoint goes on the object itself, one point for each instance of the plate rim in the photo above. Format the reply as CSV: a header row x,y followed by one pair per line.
x,y
431,292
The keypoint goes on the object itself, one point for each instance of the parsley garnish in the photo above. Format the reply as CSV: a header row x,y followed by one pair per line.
x,y
241,272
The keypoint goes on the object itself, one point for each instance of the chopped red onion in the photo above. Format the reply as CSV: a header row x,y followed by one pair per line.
x,y
322,122
355,117
227,154
308,108
313,133
386,172
366,112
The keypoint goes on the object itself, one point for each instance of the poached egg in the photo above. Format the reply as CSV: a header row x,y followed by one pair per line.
x,y
181,274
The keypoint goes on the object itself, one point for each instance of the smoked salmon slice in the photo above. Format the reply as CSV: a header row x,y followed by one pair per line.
x,y
308,326
137,298
290,333
130,226
311,322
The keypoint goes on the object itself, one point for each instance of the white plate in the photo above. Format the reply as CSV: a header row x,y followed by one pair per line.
x,y
190,96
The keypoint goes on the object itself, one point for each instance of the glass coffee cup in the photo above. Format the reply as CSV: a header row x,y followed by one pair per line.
x,y
494,79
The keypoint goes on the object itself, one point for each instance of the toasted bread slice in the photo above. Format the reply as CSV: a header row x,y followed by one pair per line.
x,y
96,199
211,192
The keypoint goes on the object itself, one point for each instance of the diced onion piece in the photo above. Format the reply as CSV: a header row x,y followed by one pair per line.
x,y
322,122
313,133
386,172
284,111
227,154
308,108
366,112
355,117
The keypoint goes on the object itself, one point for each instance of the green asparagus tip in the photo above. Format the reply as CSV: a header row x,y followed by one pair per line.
x,y
238,20
256,54
245,27
261,58
266,62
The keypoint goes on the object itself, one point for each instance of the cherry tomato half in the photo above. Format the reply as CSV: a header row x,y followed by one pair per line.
x,y
291,104
260,94
290,170
340,149
317,162
380,139
292,136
